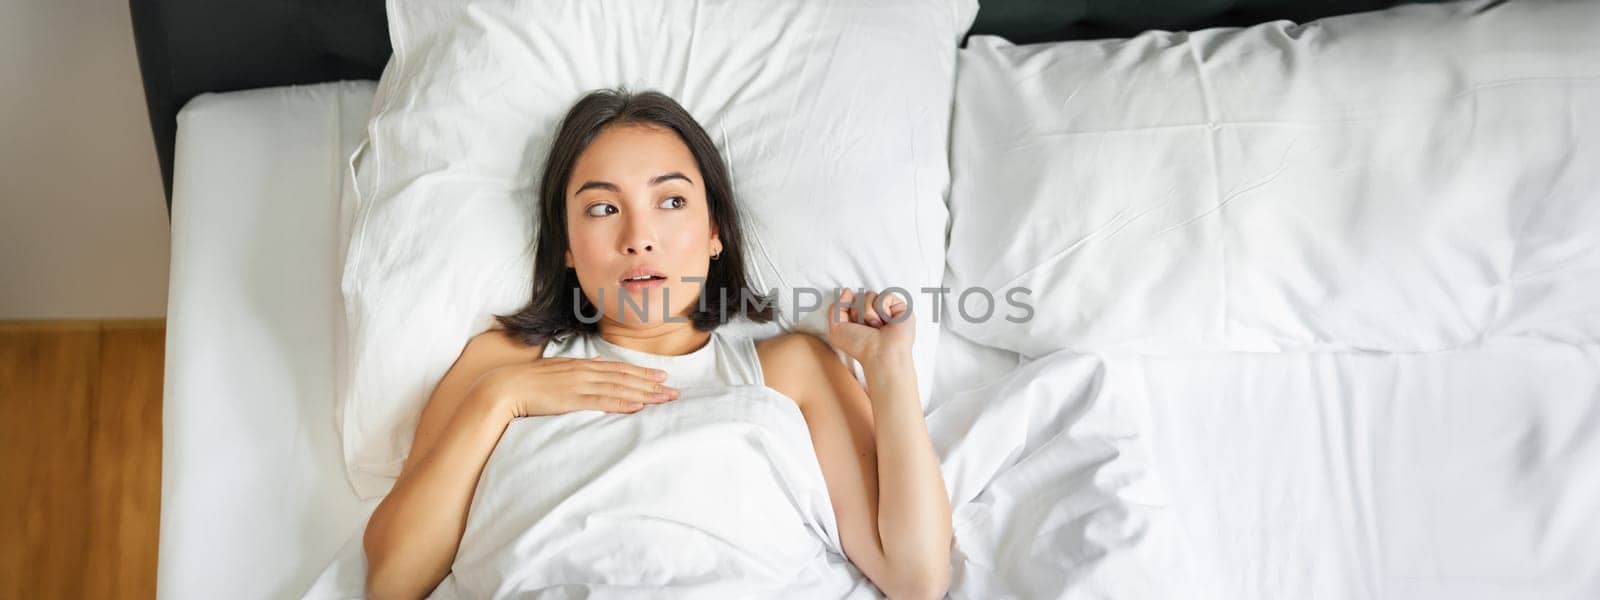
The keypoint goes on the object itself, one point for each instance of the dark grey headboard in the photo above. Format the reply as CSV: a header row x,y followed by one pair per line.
x,y
187,47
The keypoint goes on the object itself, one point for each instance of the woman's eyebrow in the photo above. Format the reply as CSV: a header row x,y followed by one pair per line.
x,y
611,187
665,177
596,185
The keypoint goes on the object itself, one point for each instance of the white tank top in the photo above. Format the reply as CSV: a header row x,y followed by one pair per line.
x,y
725,360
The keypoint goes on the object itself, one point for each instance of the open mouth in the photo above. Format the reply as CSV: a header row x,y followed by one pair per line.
x,y
642,282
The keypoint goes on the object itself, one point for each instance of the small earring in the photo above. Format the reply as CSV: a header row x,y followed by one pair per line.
x,y
716,256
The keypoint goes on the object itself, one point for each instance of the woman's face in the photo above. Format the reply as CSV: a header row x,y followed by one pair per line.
x,y
635,205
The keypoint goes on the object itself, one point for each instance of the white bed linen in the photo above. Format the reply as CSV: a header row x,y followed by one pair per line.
x,y
1449,475
1358,359
1406,180
964,364
254,499
1461,474
715,495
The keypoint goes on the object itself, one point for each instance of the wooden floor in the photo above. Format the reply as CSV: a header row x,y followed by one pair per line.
x,y
80,458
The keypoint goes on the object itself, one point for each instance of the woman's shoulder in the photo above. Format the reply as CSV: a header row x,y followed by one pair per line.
x,y
795,363
497,344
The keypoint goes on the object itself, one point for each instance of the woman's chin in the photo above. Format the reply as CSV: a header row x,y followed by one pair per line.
x,y
639,305
648,306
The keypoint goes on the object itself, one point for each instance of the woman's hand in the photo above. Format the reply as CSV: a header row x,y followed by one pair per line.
x,y
553,386
867,334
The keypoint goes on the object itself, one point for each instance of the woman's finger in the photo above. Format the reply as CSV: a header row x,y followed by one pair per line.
x,y
610,403
870,309
648,391
839,311
618,394
893,307
617,366
627,386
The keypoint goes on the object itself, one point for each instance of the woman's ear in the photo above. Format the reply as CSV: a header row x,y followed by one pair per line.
x,y
716,239
568,258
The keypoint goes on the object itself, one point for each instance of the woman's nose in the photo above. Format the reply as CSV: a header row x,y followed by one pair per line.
x,y
637,238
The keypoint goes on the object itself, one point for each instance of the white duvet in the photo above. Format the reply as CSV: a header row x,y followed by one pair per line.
x,y
719,495
1462,474
715,495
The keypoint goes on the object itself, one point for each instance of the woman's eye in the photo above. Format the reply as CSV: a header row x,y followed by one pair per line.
x,y
601,210
674,202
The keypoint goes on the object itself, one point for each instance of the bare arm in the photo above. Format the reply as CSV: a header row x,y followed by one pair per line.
x,y
412,537
914,507
882,474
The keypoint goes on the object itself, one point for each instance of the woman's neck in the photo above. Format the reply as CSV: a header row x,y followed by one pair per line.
x,y
669,339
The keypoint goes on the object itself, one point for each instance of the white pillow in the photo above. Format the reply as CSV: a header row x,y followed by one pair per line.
x,y
1408,180
833,119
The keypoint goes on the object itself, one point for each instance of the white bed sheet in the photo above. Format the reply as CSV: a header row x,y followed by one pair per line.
x,y
254,500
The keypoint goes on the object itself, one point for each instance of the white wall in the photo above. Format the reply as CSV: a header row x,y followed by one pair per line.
x,y
83,225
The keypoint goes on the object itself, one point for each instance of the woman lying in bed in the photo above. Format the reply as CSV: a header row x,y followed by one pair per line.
x,y
636,212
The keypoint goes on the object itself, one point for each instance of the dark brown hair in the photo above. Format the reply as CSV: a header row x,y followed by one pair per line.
x,y
550,313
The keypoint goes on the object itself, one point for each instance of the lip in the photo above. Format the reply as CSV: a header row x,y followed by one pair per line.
x,y
635,286
642,285
640,272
